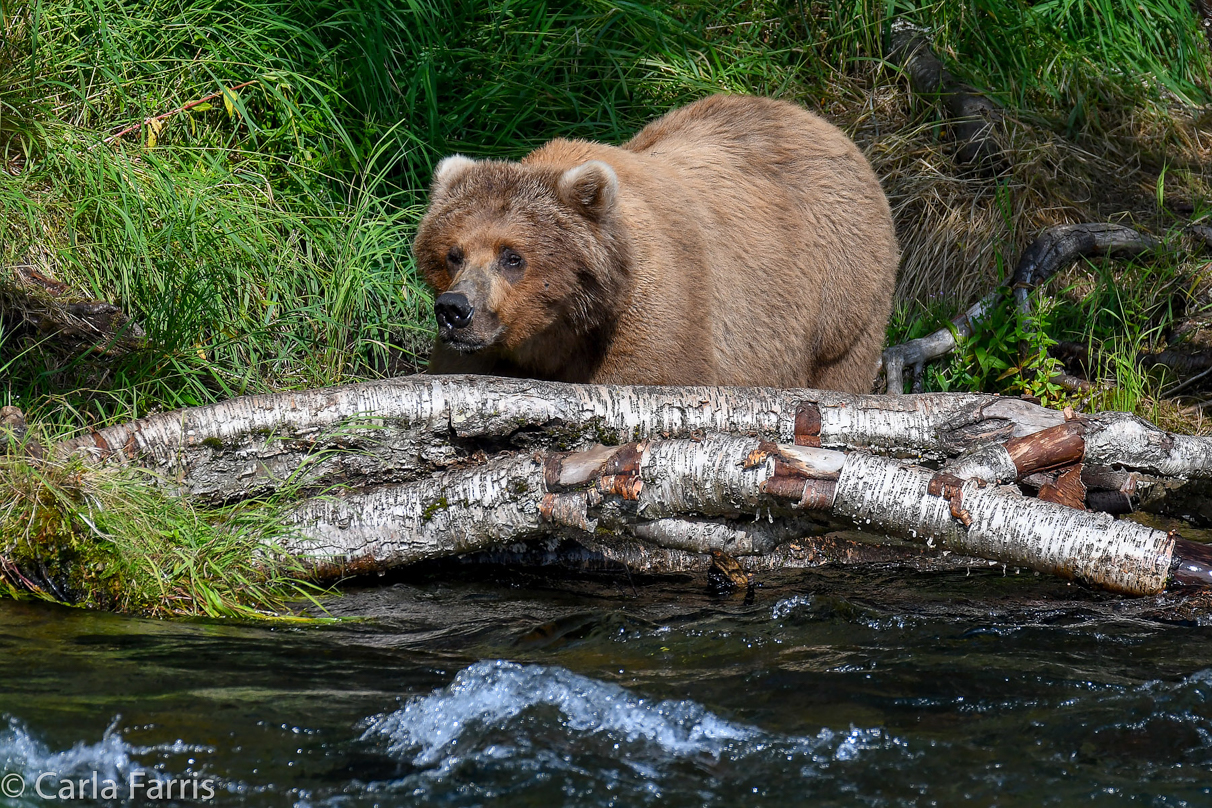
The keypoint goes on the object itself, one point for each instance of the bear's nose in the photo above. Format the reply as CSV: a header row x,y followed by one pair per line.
x,y
453,310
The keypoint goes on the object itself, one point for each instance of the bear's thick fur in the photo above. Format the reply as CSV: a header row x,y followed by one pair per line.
x,y
735,241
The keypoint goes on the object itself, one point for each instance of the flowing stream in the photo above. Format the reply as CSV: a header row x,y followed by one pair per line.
x,y
484,686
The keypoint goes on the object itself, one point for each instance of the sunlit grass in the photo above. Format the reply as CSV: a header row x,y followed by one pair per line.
x,y
117,538
261,239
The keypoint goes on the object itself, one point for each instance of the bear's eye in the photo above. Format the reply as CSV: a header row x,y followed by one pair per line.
x,y
510,259
454,258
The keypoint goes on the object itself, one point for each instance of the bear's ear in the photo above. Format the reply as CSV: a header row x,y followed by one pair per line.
x,y
449,170
592,187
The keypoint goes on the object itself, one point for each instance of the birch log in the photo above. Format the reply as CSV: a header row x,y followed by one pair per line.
x,y
444,465
660,490
404,429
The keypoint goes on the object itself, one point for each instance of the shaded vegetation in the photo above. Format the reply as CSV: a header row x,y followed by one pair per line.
x,y
261,239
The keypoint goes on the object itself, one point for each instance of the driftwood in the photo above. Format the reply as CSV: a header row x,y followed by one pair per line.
x,y
975,120
429,466
64,320
1056,248
1059,246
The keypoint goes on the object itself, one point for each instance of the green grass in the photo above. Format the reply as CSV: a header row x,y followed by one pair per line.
x,y
116,538
263,243
268,246
1076,58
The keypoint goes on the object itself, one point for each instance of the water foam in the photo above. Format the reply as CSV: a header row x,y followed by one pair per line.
x,y
495,692
111,758
495,695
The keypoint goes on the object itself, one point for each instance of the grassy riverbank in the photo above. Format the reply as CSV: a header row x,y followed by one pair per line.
x,y
261,238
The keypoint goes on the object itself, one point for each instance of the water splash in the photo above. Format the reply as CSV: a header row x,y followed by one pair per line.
x,y
110,759
494,698
495,692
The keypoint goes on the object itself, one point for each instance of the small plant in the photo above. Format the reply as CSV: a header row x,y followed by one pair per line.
x,y
1008,353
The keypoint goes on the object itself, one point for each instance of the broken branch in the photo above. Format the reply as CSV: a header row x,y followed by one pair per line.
x,y
165,115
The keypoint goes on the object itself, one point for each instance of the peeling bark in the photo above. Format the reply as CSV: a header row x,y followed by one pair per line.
x,y
443,465
675,483
403,429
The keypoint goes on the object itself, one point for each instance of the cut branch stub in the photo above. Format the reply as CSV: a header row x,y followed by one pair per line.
x,y
1068,490
1058,447
807,424
1192,563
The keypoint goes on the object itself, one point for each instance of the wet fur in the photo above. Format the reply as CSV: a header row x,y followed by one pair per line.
x,y
746,242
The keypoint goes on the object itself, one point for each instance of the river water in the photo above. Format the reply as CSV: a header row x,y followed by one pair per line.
x,y
873,685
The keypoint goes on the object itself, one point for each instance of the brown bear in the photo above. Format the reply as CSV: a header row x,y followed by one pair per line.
x,y
735,241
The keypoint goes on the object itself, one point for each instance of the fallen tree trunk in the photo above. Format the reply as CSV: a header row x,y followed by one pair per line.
x,y
440,465
764,493
403,429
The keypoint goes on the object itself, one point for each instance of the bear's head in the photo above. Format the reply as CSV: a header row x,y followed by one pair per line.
x,y
527,260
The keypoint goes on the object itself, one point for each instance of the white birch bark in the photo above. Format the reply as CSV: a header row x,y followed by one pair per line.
x,y
402,429
498,503
406,429
452,513
677,483
880,494
1118,438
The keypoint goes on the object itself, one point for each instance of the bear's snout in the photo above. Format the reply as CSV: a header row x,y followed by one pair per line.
x,y
453,310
